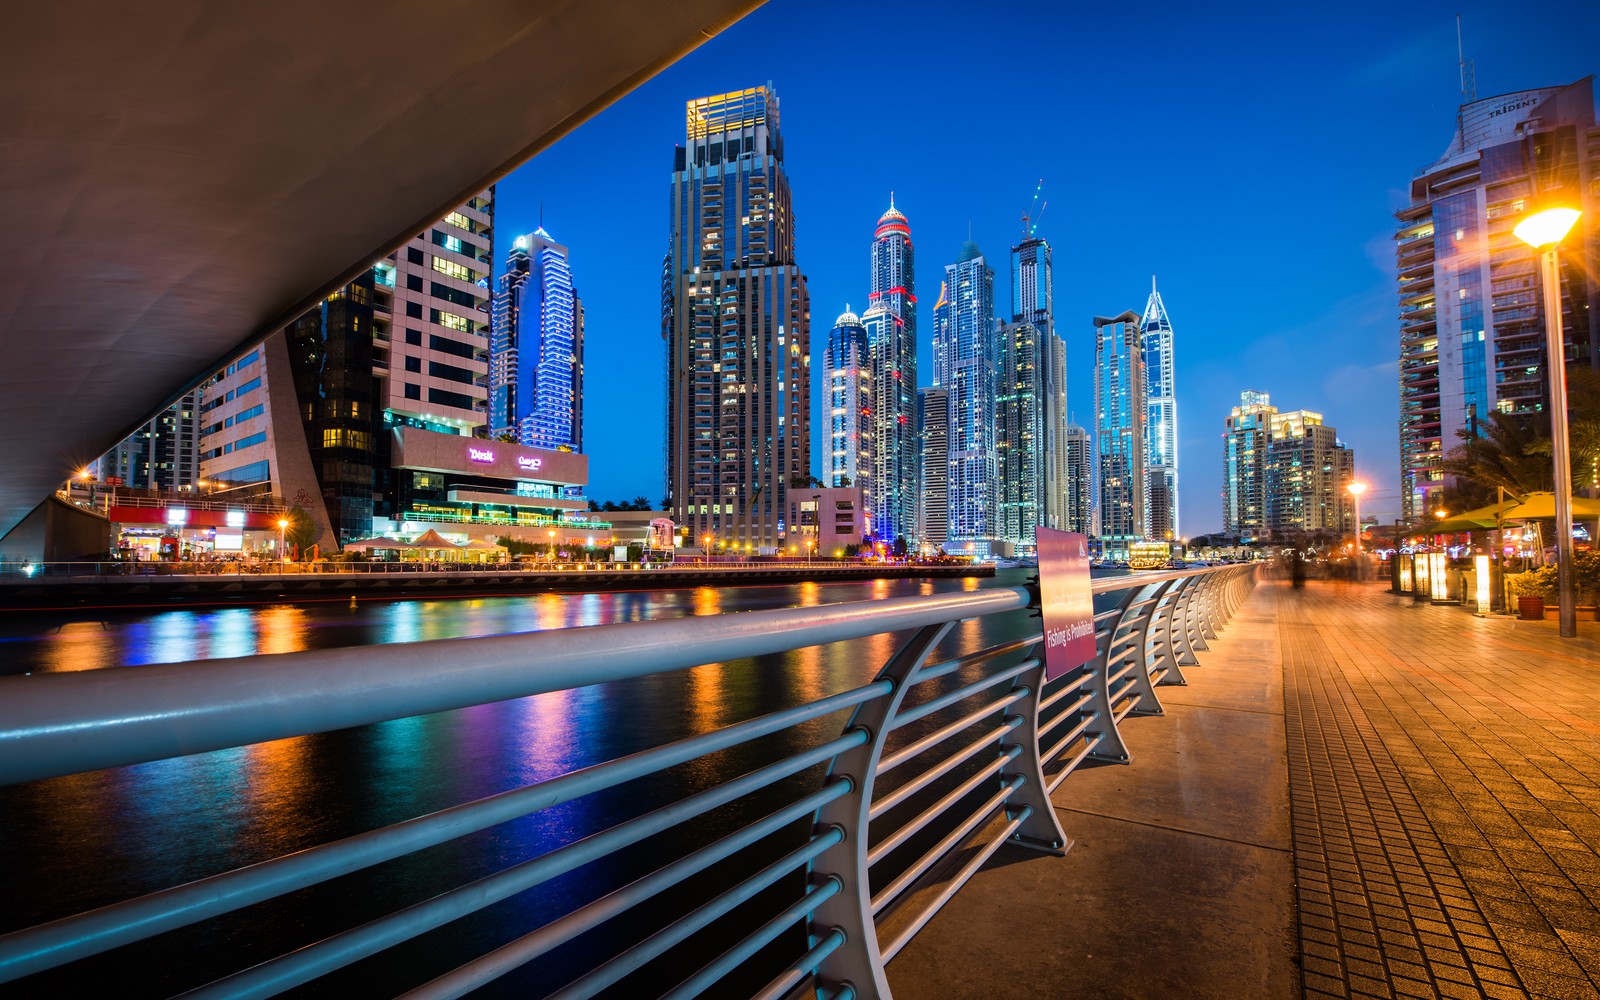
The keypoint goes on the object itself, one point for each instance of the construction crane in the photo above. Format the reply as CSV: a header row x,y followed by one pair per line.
x,y
1030,218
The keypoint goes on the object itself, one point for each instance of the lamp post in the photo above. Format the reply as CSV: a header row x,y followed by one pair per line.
x,y
1544,231
1356,489
552,534
283,530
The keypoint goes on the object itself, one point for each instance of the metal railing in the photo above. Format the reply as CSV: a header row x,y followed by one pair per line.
x,y
937,766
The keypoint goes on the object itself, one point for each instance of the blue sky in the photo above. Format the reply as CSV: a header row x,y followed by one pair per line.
x,y
1250,159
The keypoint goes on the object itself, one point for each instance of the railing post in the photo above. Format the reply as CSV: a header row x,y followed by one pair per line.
x,y
1148,703
1041,831
1158,635
858,963
1109,745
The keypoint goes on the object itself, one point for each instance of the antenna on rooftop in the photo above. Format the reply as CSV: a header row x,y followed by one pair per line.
x,y
1469,81
1030,218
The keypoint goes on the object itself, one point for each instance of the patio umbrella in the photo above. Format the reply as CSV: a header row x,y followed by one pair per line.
x,y
380,542
477,544
1543,505
431,539
1455,525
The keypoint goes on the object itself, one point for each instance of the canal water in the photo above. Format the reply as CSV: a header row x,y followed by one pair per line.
x,y
72,843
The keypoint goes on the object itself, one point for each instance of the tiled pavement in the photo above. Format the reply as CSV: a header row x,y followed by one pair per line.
x,y
1439,835
1445,797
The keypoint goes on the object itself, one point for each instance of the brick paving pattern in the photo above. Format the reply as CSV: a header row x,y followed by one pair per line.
x,y
1445,798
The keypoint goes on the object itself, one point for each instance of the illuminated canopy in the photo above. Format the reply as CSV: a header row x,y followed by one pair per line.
x,y
180,177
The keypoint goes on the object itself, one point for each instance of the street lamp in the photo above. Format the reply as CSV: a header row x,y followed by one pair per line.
x,y
1544,231
552,534
283,529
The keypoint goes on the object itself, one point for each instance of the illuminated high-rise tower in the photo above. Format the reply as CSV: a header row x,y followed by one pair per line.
x,y
1122,486
737,327
891,324
1161,424
964,329
847,369
536,357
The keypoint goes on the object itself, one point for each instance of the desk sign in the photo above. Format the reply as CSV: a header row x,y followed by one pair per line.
x,y
1065,601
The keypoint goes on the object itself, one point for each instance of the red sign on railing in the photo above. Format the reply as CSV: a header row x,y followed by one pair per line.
x,y
1066,603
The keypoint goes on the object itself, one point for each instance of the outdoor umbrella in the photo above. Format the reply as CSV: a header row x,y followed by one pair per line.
x,y
1535,506
381,542
1454,525
431,539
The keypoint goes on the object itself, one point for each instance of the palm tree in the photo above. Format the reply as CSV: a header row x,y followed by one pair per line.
x,y
1504,454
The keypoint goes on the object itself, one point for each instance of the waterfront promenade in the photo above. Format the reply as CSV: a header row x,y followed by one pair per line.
x,y
1355,796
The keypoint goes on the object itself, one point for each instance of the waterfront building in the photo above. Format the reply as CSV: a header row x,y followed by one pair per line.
x,y
891,324
1307,471
827,520
1033,302
536,355
164,454
1161,425
1079,480
933,437
1245,440
1019,437
738,326
1121,480
1472,322
847,371
964,326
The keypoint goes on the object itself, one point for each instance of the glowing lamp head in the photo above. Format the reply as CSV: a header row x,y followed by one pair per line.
x,y
283,524
1357,488
1546,228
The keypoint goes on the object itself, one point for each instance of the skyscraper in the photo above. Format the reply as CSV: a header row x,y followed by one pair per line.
x,y
1019,432
535,364
1033,301
1308,468
1122,484
164,454
964,327
738,340
891,324
1079,478
848,371
1244,465
1161,426
1471,310
933,425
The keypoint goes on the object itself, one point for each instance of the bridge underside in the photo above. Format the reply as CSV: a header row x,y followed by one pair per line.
x,y
179,178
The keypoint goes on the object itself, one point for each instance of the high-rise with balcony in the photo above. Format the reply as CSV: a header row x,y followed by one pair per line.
x,y
536,364
1079,478
933,433
1246,438
737,327
164,454
1471,309
847,370
1019,433
1122,484
1033,303
964,329
891,324
1161,425
1307,471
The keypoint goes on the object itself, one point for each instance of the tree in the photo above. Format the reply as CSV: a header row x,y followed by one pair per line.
x,y
301,533
1503,454
506,437
610,506
594,505
639,503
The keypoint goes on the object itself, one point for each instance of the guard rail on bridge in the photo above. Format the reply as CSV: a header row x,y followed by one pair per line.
x,y
938,765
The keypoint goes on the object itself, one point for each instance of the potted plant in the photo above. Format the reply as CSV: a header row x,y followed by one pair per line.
x,y
1533,589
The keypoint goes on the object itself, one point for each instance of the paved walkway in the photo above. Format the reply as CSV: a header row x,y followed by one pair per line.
x,y
1354,796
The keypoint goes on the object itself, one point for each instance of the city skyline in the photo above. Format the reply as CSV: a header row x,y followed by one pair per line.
x,y
1338,307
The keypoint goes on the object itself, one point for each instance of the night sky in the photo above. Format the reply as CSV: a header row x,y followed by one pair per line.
x,y
1250,159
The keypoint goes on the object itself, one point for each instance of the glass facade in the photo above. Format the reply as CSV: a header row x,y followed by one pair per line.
x,y
1161,426
1122,485
964,326
847,368
536,366
891,324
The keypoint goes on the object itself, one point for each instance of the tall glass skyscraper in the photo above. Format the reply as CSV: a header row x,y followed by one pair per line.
x,y
848,370
933,431
1080,480
536,361
1471,308
1161,425
964,327
1244,465
891,324
737,327
1039,453
1122,484
1019,432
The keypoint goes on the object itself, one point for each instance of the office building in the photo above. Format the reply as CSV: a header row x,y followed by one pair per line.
x,y
1307,472
1019,433
164,454
891,324
1079,480
1161,424
829,521
933,437
964,327
1245,440
1033,302
847,371
536,356
738,336
1121,480
1472,323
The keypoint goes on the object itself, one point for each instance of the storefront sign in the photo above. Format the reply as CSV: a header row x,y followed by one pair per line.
x,y
480,454
1065,600
529,462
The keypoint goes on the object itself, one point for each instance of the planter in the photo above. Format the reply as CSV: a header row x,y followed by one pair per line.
x,y
1552,614
1530,609
1588,613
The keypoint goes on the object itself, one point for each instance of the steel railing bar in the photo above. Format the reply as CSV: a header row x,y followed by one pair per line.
x,y
305,964
491,966
961,878
911,827
1049,700
932,705
1076,759
891,891
70,938
936,670
758,939
1132,704
944,767
955,728
1072,734
1055,718
791,977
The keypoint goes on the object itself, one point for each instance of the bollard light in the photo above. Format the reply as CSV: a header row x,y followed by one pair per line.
x,y
1438,577
1480,563
1405,571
